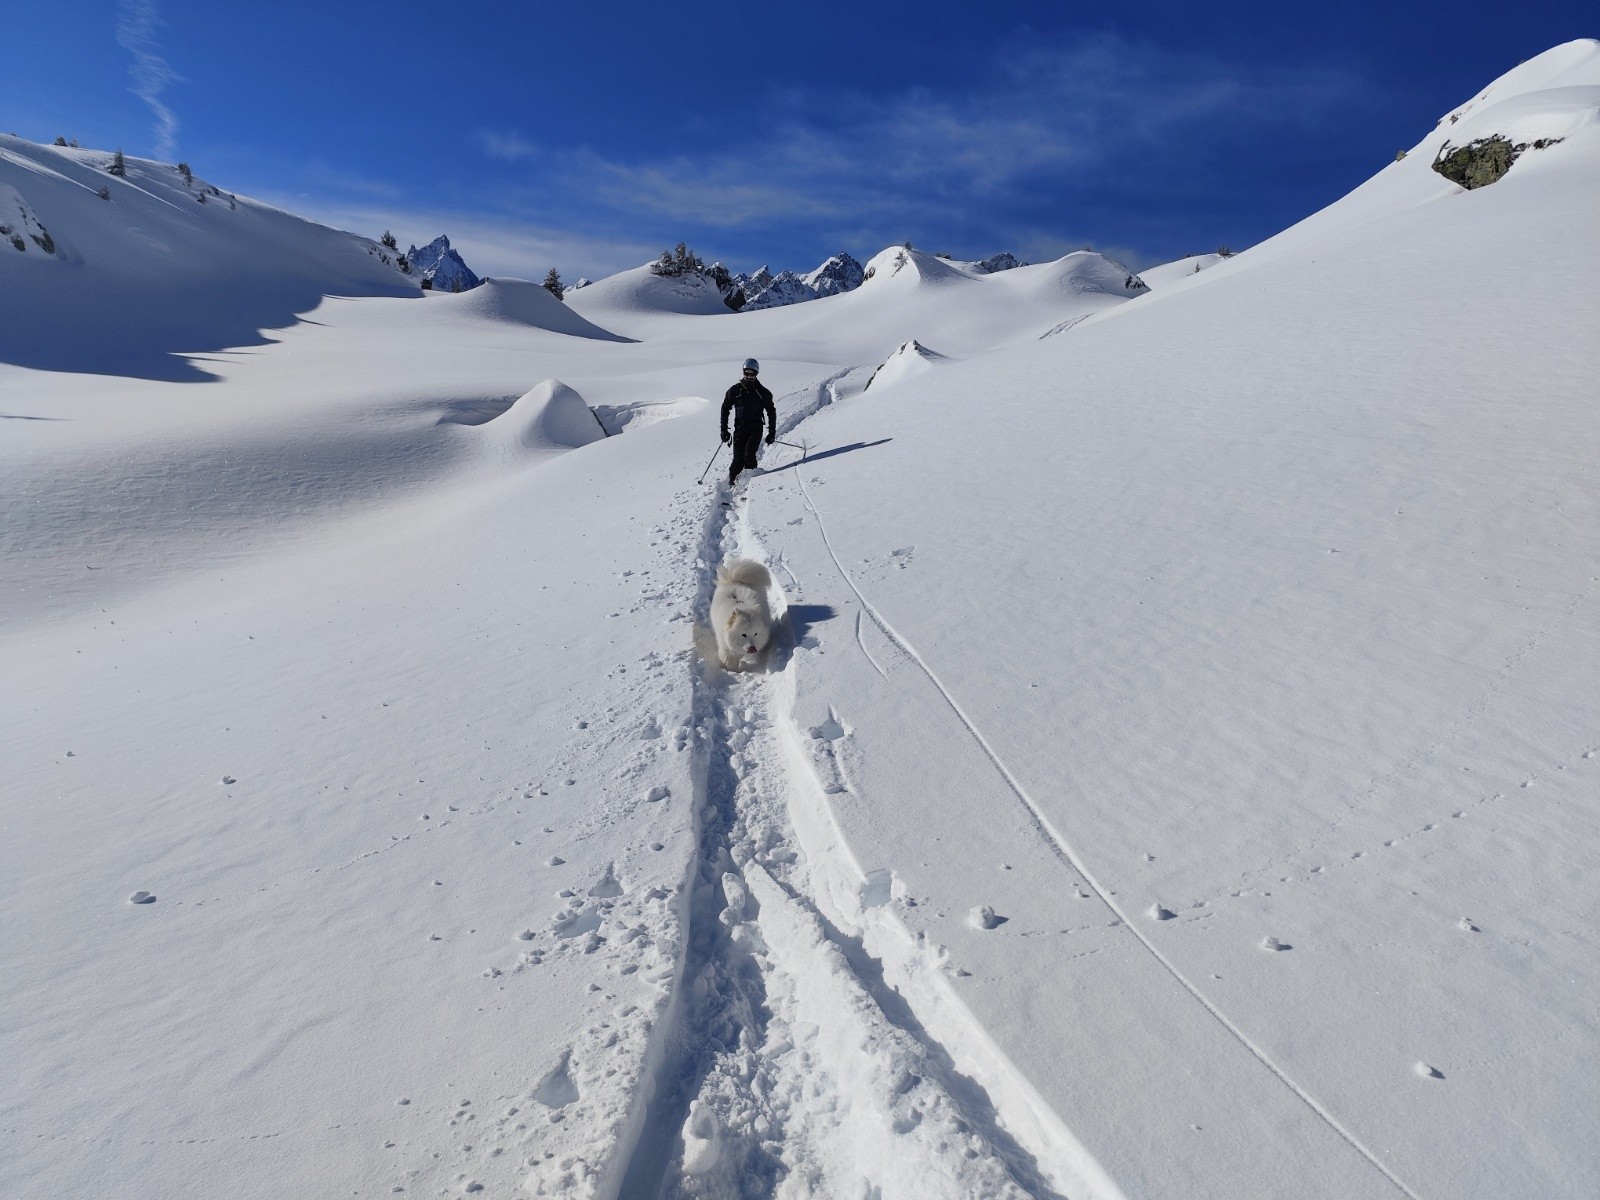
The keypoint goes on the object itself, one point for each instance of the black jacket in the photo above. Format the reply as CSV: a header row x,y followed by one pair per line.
x,y
748,400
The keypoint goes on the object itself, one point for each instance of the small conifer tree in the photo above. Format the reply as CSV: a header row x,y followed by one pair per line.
x,y
118,167
60,141
553,284
388,240
188,175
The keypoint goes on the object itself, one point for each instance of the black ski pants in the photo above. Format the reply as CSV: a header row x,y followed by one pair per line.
x,y
746,440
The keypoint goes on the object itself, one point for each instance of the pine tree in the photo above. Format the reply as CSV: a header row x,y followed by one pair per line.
x,y
188,175
388,240
553,285
118,167
60,141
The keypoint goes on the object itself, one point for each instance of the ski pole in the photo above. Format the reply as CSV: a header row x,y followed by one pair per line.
x,y
707,471
792,446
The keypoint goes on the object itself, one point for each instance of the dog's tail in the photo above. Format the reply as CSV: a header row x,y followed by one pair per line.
x,y
746,571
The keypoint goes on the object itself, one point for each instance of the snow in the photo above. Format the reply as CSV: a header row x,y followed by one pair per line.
x,y
1175,775
441,266
910,361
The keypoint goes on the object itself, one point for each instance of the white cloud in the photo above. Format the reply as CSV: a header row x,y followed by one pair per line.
x,y
1041,117
507,146
490,244
136,25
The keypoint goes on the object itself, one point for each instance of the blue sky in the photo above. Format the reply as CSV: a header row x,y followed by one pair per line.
x,y
589,136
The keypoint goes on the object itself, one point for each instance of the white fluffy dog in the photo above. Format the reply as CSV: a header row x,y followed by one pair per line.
x,y
741,620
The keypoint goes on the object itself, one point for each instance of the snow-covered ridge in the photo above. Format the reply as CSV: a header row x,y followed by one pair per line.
x,y
151,262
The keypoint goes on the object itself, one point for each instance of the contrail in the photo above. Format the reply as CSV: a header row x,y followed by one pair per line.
x,y
136,25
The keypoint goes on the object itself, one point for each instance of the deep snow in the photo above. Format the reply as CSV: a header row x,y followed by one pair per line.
x,y
1176,777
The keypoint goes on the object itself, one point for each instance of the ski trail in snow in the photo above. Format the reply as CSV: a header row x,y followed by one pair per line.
x,y
1063,848
794,1072
860,641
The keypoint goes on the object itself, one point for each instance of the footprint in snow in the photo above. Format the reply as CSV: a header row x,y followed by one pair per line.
x,y
1158,913
1272,943
557,1090
831,730
658,794
141,898
1428,1072
608,886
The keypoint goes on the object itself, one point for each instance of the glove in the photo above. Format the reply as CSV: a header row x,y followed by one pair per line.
x,y
770,436
725,436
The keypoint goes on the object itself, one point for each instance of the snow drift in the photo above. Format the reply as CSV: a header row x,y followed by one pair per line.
x,y
548,419
521,302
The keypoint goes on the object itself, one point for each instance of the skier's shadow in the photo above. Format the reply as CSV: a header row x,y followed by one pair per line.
x,y
811,458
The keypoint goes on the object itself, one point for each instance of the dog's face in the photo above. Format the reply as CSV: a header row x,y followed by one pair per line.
x,y
747,634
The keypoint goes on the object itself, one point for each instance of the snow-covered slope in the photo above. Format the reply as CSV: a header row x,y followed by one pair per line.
x,y
160,266
1162,274
908,362
632,299
1176,774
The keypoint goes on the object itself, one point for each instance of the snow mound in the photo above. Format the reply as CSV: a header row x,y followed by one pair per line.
x,y
909,361
523,302
551,418
629,418
910,266
1081,274
641,290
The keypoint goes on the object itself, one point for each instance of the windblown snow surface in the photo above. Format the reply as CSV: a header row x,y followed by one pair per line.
x,y
1177,774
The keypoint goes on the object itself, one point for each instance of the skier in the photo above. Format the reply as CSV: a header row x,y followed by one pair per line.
x,y
750,402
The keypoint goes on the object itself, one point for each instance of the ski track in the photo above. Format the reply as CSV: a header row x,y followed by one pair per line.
x,y
793,1067
1063,850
